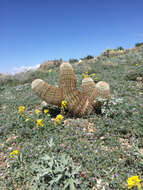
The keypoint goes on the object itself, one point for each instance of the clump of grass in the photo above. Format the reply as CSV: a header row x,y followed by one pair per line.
x,y
136,72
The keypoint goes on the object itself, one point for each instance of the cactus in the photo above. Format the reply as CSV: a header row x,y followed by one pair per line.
x,y
49,93
88,86
79,103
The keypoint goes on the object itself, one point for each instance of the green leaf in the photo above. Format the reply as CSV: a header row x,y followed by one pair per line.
x,y
58,178
71,182
66,185
51,182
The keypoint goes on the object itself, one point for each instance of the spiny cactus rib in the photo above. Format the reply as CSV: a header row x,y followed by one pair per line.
x,y
77,102
49,93
102,90
88,86
67,76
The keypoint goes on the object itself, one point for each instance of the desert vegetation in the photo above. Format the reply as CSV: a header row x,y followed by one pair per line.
x,y
45,147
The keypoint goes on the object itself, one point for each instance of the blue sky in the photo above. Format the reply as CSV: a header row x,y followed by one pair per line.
x,y
32,31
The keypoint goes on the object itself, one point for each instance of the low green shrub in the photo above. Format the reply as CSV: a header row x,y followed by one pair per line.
x,y
88,57
73,60
135,73
54,172
139,44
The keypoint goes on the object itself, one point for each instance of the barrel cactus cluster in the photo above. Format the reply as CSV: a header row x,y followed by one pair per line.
x,y
79,103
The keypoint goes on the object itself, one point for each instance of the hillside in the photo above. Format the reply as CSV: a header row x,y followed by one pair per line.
x,y
99,151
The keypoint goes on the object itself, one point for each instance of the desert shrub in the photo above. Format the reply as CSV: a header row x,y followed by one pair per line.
x,y
138,44
88,57
131,75
56,172
134,73
120,48
73,60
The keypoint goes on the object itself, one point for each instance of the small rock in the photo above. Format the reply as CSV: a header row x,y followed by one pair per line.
x,y
139,78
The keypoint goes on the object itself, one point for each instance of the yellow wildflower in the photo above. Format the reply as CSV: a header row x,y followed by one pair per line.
x,y
50,70
58,119
21,109
84,75
46,111
39,122
37,111
63,107
134,181
14,152
137,64
64,104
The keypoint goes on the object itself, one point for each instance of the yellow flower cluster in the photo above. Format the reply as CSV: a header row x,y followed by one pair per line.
x,y
85,75
37,111
64,104
134,181
39,123
58,119
50,70
93,76
63,107
21,109
46,111
14,152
